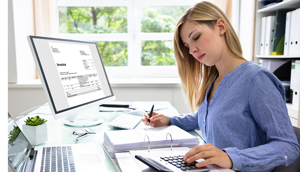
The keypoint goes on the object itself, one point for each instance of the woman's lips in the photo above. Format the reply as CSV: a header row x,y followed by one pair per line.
x,y
201,57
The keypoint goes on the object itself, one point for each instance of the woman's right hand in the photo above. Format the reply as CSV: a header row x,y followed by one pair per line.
x,y
157,120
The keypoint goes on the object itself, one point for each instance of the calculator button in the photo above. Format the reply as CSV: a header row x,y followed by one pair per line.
x,y
178,166
183,168
170,161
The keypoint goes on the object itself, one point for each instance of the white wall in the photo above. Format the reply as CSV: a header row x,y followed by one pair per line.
x,y
12,70
246,30
23,26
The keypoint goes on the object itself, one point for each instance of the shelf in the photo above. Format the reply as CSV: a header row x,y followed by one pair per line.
x,y
292,110
287,4
277,57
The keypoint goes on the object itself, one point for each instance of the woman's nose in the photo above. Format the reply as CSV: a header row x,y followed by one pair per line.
x,y
192,50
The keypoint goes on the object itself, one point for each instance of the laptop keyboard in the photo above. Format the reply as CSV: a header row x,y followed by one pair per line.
x,y
125,121
58,159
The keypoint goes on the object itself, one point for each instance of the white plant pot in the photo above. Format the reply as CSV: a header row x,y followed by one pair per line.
x,y
36,134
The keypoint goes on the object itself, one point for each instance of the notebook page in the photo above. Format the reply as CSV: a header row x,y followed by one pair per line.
x,y
126,136
160,133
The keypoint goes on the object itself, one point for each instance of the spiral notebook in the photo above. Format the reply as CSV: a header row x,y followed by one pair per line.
x,y
146,138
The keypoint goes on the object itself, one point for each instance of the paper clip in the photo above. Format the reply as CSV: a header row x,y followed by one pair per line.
x,y
171,139
148,142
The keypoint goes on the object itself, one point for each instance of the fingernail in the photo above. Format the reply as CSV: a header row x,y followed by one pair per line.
x,y
198,165
188,160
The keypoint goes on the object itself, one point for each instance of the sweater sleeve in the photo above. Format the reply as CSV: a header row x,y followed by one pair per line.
x,y
186,121
267,106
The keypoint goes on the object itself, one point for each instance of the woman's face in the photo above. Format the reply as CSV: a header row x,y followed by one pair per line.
x,y
204,44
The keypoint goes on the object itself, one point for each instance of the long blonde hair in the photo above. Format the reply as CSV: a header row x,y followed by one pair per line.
x,y
195,76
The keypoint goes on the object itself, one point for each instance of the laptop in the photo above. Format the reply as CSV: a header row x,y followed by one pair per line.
x,y
22,156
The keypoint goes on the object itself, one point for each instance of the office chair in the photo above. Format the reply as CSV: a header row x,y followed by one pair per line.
x,y
295,166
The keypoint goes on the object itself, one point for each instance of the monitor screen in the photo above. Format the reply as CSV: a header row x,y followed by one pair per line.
x,y
72,74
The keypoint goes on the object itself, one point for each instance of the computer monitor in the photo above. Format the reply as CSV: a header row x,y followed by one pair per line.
x,y
73,77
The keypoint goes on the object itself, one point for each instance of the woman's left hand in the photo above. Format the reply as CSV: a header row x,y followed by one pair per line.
x,y
210,154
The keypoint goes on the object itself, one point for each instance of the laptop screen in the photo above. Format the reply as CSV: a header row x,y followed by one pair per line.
x,y
18,145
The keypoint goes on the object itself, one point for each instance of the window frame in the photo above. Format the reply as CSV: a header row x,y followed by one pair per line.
x,y
133,37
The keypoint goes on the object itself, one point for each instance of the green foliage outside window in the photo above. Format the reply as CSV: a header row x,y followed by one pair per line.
x,y
81,20
113,53
92,19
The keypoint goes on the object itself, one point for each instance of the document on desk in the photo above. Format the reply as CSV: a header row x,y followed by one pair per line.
x,y
128,162
126,140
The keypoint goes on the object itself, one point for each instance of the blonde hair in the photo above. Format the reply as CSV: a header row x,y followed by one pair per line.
x,y
195,76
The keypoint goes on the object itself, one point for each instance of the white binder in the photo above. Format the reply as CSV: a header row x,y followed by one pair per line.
x,y
296,84
294,47
292,75
261,61
270,26
287,34
263,35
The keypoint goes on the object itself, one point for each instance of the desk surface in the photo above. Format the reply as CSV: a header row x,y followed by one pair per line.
x,y
60,134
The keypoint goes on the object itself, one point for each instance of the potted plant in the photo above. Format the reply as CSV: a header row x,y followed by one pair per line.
x,y
35,129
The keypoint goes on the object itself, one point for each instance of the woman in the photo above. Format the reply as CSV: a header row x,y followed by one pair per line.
x,y
240,106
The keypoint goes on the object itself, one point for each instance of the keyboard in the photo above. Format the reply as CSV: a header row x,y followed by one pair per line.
x,y
57,159
125,121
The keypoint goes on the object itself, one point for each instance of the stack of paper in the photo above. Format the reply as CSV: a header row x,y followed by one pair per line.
x,y
126,140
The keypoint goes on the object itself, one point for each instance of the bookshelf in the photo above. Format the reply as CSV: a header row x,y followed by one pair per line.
x,y
294,112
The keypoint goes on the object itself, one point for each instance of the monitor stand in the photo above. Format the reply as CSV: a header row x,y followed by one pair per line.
x,y
72,120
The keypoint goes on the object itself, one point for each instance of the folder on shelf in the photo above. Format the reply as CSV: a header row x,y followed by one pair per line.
x,y
263,35
270,24
146,138
279,67
279,31
292,74
260,62
296,84
294,47
287,33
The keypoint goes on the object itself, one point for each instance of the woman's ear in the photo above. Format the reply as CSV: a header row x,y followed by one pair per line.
x,y
221,26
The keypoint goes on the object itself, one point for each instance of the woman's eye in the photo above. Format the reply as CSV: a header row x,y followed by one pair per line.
x,y
197,37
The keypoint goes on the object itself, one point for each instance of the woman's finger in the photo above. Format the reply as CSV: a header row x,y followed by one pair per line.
x,y
202,155
197,149
206,162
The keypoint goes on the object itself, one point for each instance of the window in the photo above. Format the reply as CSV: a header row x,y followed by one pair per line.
x,y
134,37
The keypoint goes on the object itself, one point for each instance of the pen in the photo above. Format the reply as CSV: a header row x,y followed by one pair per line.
x,y
150,114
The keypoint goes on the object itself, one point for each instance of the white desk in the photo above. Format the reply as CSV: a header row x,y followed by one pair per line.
x,y
60,134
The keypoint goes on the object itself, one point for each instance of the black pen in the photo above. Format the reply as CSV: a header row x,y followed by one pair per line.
x,y
150,114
